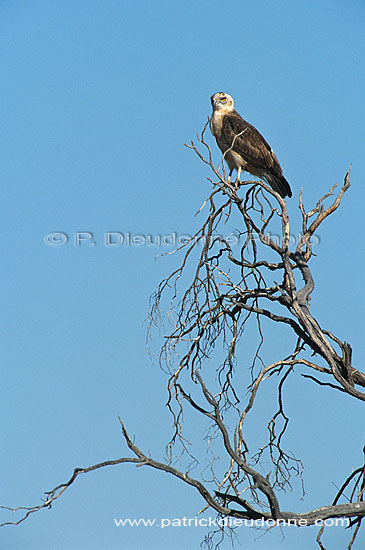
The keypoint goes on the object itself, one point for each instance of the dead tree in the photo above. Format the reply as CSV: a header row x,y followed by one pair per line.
x,y
231,295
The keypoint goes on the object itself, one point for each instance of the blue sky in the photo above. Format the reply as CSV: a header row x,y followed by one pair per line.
x,y
98,99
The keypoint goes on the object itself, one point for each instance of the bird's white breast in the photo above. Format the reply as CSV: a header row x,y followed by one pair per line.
x,y
216,123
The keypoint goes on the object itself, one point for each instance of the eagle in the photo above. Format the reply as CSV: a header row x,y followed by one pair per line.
x,y
243,147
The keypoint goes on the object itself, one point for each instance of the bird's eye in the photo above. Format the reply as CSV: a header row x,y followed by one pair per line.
x,y
224,99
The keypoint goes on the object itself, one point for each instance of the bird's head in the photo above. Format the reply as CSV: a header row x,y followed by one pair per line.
x,y
222,102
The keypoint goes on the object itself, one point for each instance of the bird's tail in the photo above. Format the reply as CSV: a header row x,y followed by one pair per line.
x,y
280,185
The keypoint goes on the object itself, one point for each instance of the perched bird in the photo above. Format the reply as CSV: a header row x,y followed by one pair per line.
x,y
243,147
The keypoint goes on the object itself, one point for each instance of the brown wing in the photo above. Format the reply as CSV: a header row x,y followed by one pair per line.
x,y
251,145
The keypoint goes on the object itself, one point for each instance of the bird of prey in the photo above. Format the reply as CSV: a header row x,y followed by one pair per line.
x,y
243,147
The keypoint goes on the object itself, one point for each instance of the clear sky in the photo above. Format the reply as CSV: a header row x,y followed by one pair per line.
x,y
97,100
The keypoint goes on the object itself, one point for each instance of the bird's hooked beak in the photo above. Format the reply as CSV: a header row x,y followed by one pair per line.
x,y
214,99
